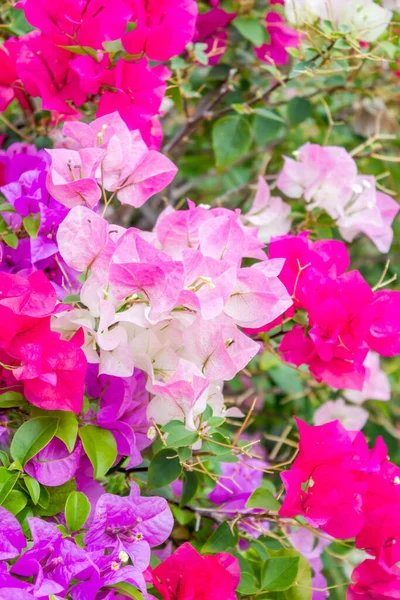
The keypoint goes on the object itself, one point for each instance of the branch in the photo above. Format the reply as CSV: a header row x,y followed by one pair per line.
x,y
201,113
275,86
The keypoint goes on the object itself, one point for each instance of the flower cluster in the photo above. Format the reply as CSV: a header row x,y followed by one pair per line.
x,y
169,303
124,531
367,19
327,178
345,317
347,490
106,155
211,32
72,57
51,371
187,574
30,219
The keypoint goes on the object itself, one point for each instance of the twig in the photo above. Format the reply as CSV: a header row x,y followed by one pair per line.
x,y
14,129
202,113
270,90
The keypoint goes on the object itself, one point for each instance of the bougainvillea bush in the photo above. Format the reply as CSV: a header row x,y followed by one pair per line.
x,y
199,312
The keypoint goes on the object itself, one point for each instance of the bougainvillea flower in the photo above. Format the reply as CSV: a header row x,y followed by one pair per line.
x,y
54,464
186,574
52,561
374,581
139,91
13,588
327,178
163,27
178,399
122,162
87,23
347,490
258,296
380,535
321,174
71,179
27,297
369,212
211,30
269,214
304,258
352,417
81,237
367,19
384,334
282,37
45,71
12,539
218,347
8,73
376,384
135,523
123,404
52,371
107,570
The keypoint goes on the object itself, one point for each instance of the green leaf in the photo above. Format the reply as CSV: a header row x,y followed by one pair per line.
x,y
178,436
7,207
15,502
184,453
218,444
7,483
248,583
32,224
128,590
190,485
269,114
131,26
10,239
298,110
221,539
182,516
15,466
44,498
199,53
12,399
71,299
31,437
279,573
231,137
388,48
33,488
262,498
67,428
67,424
43,141
19,25
266,130
287,379
113,47
4,459
164,468
77,509
303,588
250,29
57,498
101,448
83,51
